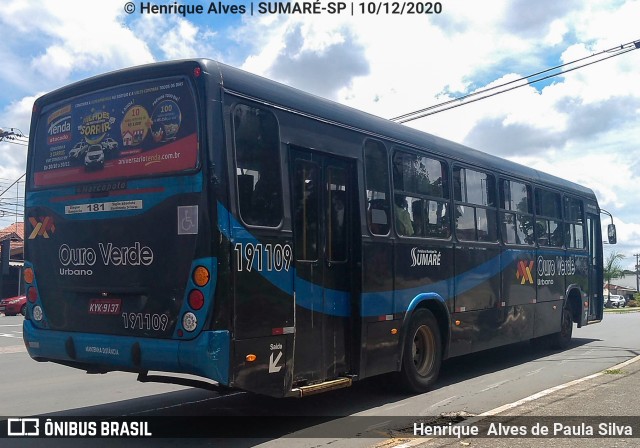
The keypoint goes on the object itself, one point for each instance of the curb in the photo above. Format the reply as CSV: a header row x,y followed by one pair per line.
x,y
478,418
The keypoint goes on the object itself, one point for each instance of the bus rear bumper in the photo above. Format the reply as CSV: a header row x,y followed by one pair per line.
x,y
207,355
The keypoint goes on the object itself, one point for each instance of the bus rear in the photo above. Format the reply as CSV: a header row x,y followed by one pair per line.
x,y
120,269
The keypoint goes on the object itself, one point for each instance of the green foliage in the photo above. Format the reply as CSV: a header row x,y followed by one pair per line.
x,y
612,267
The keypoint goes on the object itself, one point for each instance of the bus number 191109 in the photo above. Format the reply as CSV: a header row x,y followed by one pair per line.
x,y
269,257
145,321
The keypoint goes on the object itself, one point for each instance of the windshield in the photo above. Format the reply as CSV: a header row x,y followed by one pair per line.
x,y
140,129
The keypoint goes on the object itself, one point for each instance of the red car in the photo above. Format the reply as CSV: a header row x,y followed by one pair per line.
x,y
13,306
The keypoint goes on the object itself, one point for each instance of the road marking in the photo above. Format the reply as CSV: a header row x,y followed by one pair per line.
x,y
379,425
11,325
395,406
11,335
12,349
493,386
446,400
418,441
186,403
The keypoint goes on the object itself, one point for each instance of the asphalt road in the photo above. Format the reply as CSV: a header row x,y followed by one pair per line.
x,y
470,384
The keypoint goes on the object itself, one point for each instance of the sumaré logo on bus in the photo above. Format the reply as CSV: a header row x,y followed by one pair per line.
x,y
109,254
425,257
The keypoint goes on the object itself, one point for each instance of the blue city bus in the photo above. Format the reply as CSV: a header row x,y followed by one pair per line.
x,y
188,217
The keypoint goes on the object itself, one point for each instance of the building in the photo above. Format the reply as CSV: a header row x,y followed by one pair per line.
x,y
625,286
11,282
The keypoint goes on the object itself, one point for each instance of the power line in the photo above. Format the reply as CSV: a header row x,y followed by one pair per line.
x,y
12,206
15,182
483,94
15,136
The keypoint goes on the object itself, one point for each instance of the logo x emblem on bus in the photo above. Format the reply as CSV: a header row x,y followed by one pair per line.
x,y
524,272
42,227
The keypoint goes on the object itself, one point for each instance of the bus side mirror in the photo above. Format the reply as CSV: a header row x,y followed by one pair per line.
x,y
611,232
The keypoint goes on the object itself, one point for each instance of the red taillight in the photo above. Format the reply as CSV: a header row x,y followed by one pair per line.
x,y
197,72
32,294
196,299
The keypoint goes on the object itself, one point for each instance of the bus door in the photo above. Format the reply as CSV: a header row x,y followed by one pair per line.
x,y
323,207
596,301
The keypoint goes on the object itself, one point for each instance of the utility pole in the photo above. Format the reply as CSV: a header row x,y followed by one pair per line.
x,y
13,135
637,273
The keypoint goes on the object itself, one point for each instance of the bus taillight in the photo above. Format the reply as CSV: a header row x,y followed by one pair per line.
x,y
28,276
196,299
32,294
201,276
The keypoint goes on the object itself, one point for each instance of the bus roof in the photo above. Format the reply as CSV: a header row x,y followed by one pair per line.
x,y
289,98
280,95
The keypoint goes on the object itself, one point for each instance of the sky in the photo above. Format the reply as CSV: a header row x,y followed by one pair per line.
x,y
582,125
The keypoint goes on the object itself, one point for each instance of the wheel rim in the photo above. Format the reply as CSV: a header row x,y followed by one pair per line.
x,y
423,350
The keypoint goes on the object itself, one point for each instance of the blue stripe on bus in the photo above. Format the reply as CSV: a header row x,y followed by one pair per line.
x,y
171,186
378,303
335,303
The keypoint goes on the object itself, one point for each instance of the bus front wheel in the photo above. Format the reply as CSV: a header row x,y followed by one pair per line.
x,y
422,352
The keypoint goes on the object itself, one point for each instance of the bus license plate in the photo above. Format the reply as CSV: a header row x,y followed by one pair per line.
x,y
109,307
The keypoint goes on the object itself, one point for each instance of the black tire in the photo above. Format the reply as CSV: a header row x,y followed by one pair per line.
x,y
561,339
23,310
422,352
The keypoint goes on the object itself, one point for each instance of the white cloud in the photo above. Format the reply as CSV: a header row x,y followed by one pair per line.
x,y
74,37
13,155
581,126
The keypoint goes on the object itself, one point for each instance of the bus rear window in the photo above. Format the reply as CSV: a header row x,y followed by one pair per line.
x,y
141,129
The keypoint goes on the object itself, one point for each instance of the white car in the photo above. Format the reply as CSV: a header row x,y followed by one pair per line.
x,y
109,144
79,149
94,159
614,301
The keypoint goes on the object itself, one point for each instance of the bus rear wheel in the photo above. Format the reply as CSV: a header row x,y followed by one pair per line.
x,y
422,352
561,339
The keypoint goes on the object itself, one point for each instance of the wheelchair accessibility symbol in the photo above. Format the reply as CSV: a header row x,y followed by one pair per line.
x,y
188,220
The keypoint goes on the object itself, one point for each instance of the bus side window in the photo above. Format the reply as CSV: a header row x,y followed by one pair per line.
x,y
377,181
549,226
475,200
257,145
573,215
516,205
421,193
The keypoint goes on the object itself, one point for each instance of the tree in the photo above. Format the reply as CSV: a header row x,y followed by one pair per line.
x,y
612,267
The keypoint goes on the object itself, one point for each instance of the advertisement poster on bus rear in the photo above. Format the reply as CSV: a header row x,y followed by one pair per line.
x,y
139,129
